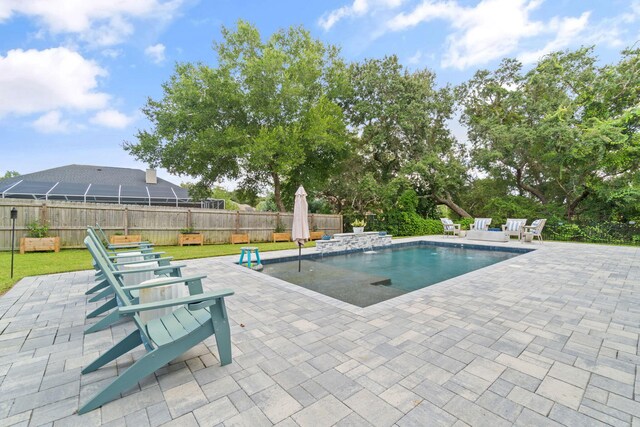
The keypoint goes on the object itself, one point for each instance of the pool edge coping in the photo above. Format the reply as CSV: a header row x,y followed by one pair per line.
x,y
383,305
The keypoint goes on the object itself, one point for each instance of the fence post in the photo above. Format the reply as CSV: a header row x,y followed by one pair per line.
x,y
237,222
189,218
125,221
43,214
313,222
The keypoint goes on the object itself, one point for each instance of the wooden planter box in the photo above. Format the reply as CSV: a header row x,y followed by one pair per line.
x,y
129,238
240,238
191,239
37,244
281,237
316,235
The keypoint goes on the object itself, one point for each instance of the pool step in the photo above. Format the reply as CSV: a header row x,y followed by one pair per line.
x,y
383,282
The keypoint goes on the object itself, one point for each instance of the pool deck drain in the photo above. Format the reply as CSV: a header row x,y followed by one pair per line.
x,y
546,338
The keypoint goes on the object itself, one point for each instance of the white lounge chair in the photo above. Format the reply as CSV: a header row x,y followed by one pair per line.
x,y
449,227
535,229
514,227
481,224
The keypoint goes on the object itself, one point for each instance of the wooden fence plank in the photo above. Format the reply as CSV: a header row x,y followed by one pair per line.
x,y
158,224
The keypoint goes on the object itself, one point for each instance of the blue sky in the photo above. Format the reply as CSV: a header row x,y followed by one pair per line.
x,y
75,73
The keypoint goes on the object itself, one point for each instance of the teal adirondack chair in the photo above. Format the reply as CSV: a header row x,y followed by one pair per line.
x,y
113,249
114,300
145,252
105,239
165,338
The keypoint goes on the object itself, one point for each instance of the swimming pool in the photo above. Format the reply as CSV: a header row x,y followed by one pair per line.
x,y
363,279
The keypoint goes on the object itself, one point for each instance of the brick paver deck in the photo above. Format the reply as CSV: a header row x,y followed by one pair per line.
x,y
545,338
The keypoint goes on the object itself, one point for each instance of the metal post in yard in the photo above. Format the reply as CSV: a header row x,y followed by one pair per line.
x,y
14,216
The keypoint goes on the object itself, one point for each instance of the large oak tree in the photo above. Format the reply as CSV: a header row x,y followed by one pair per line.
x,y
560,133
262,115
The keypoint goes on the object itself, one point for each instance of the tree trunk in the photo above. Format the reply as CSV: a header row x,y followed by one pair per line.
x,y
448,201
571,209
537,193
276,192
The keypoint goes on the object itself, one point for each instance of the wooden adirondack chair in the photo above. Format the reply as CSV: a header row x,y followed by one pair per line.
x,y
165,338
166,270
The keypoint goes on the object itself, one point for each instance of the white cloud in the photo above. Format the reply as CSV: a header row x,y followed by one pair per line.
x,y
415,58
490,30
615,31
156,53
52,122
99,22
357,8
35,81
566,29
111,53
111,119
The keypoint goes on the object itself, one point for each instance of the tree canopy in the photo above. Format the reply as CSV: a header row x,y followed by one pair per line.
x,y
561,132
559,139
263,116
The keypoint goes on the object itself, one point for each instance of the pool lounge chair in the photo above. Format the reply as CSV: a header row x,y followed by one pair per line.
x,y
514,227
448,227
535,229
481,224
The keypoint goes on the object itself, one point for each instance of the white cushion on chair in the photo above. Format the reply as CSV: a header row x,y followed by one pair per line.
x,y
447,224
513,225
479,224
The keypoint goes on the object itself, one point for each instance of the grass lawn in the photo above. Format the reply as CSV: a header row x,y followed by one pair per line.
x,y
37,263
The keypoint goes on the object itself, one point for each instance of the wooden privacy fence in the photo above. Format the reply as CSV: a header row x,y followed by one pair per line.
x,y
158,224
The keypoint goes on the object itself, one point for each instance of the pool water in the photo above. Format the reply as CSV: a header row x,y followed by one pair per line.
x,y
364,279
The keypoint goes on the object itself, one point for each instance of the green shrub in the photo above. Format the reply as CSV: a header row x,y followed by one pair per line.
x,y
37,229
601,232
279,227
409,224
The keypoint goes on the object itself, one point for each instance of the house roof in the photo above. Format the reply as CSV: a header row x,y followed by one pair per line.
x,y
89,174
104,184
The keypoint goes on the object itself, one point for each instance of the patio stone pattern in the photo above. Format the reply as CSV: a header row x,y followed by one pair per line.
x,y
549,337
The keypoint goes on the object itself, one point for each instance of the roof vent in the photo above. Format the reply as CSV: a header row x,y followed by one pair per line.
x,y
151,177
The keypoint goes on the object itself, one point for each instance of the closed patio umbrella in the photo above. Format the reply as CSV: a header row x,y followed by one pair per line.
x,y
300,228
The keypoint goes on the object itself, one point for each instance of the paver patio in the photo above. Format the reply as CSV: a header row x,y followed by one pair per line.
x,y
546,338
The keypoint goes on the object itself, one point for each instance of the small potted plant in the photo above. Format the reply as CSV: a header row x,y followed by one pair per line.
x,y
38,239
358,226
188,236
279,234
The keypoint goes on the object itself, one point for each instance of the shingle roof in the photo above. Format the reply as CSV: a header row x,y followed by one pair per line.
x,y
89,174
100,184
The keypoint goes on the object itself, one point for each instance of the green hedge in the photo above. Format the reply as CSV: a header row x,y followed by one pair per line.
x,y
601,232
406,224
412,224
